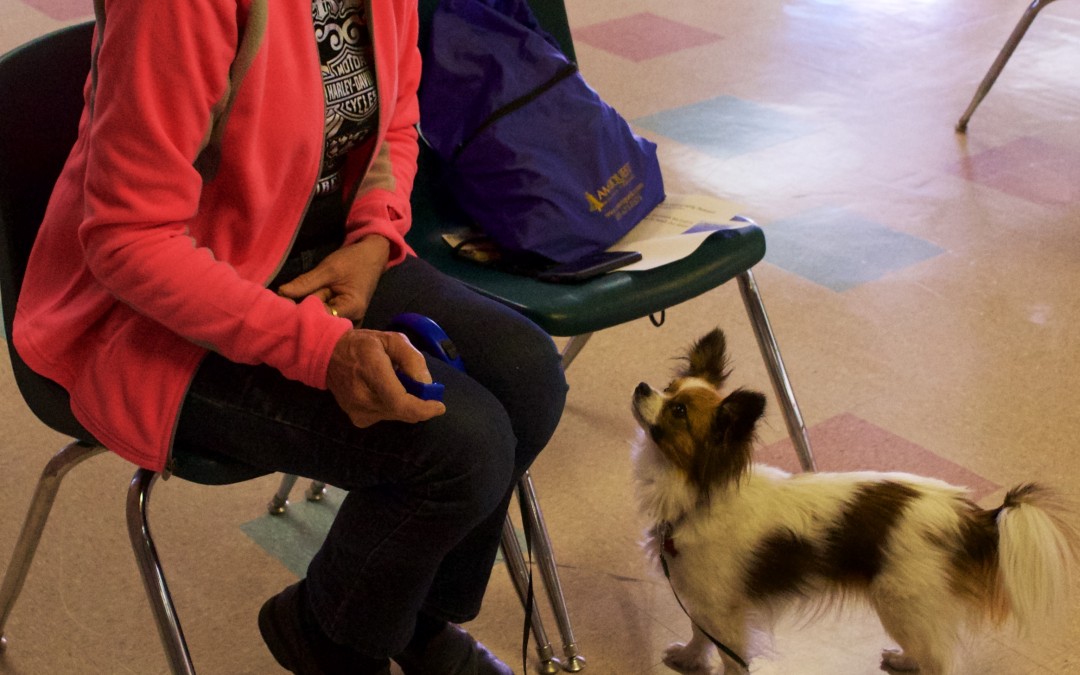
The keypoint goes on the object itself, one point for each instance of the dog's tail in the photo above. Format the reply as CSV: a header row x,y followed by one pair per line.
x,y
1036,554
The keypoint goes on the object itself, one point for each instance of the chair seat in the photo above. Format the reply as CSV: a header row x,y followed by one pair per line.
x,y
207,467
575,309
51,404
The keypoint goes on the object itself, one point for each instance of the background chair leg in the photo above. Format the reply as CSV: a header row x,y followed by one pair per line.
x,y
280,500
573,348
315,491
161,604
770,351
534,521
1002,58
36,517
519,575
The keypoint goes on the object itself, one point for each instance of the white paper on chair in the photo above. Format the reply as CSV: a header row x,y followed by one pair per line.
x,y
675,229
671,231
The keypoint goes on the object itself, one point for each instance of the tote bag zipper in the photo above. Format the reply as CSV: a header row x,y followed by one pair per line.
x,y
569,70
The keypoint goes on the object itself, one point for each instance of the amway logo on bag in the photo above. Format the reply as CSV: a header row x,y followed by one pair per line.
x,y
613,190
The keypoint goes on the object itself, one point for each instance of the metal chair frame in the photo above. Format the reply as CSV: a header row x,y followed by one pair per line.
x,y
142,544
1002,58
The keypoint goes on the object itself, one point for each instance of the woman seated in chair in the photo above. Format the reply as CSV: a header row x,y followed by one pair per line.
x,y
218,257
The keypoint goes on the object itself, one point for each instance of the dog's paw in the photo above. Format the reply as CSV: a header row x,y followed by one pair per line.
x,y
686,658
894,659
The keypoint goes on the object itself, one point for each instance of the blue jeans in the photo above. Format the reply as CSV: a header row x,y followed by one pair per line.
x,y
420,525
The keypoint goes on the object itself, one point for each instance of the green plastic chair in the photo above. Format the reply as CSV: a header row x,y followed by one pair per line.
x,y
578,310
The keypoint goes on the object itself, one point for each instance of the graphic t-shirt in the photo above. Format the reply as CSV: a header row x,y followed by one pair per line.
x,y
348,72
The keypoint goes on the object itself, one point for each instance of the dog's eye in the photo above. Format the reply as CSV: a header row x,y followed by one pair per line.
x,y
678,410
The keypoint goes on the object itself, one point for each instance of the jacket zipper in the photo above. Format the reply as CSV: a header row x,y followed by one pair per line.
x,y
318,171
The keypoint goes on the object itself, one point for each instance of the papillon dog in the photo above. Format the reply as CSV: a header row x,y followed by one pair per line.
x,y
743,542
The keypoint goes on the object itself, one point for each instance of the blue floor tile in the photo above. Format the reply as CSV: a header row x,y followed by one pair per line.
x,y
840,249
726,126
295,536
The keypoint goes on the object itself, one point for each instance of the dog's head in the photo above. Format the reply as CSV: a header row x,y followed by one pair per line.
x,y
694,426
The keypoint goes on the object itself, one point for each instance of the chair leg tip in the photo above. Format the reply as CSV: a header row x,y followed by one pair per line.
x,y
549,666
277,506
3,644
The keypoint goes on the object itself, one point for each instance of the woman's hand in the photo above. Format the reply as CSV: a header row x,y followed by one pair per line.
x,y
345,279
361,377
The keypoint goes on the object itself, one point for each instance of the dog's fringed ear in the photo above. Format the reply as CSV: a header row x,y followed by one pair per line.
x,y
729,452
708,359
738,415
730,449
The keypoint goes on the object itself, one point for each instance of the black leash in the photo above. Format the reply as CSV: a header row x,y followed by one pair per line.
x,y
665,530
529,599
530,595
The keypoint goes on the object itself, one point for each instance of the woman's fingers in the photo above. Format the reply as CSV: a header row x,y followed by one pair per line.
x,y
361,376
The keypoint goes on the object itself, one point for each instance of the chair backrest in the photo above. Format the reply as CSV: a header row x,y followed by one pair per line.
x,y
550,13
41,99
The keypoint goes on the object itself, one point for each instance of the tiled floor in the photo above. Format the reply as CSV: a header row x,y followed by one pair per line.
x,y
923,286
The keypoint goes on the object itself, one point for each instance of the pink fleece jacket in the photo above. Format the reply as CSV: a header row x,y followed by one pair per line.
x,y
197,156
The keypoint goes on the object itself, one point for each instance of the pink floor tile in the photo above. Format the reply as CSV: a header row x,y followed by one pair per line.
x,y
848,443
643,36
63,10
1028,168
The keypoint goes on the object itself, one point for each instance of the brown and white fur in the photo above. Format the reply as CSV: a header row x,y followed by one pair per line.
x,y
744,542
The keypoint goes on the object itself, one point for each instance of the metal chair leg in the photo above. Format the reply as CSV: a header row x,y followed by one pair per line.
x,y
770,351
1002,58
519,575
573,348
280,501
36,517
157,592
534,519
315,491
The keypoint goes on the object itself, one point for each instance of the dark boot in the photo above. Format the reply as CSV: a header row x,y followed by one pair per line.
x,y
299,645
451,651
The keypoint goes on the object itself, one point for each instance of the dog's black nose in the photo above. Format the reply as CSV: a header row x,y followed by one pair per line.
x,y
642,390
